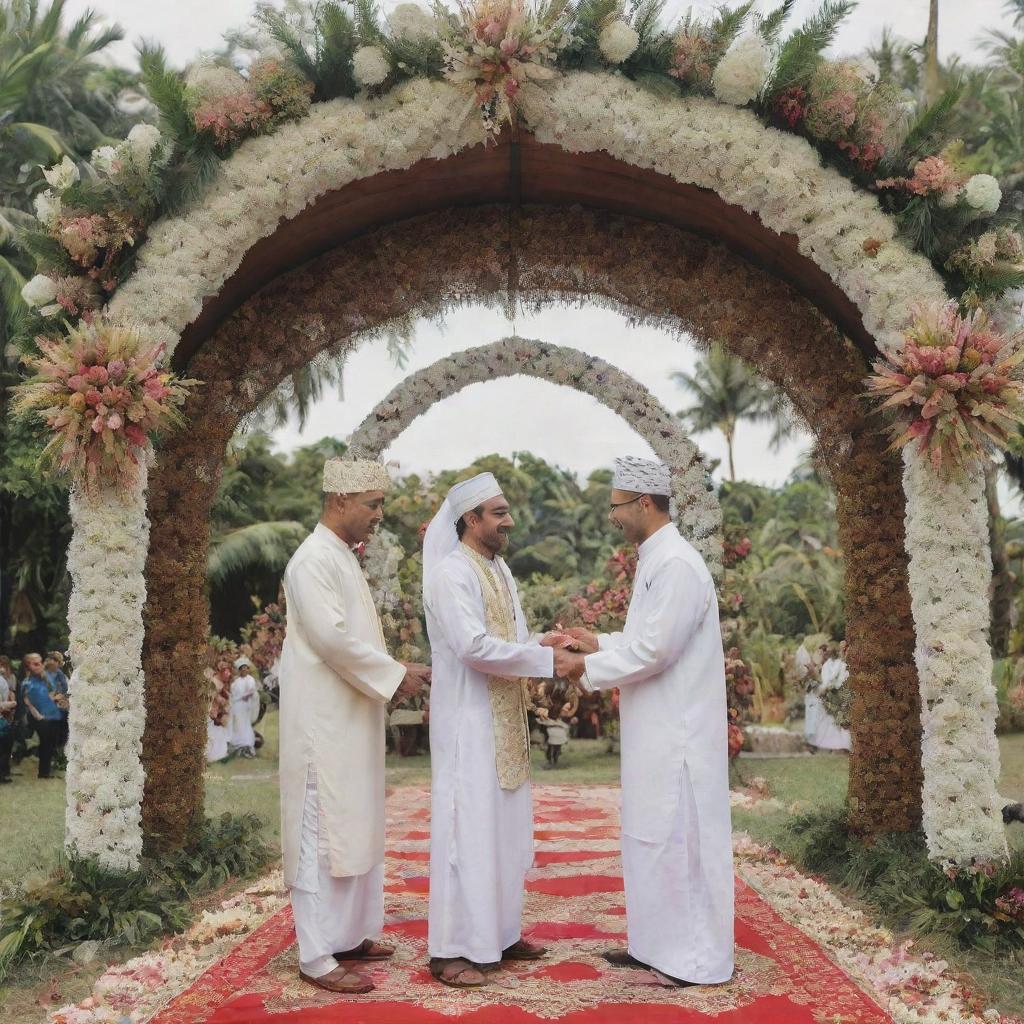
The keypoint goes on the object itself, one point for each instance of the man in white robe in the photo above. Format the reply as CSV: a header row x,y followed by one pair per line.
x,y
669,666
335,679
481,833
244,705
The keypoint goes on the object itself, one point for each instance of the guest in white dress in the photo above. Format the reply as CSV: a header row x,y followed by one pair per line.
x,y
821,729
244,705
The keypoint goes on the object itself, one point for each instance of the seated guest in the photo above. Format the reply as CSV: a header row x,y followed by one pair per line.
x,y
42,710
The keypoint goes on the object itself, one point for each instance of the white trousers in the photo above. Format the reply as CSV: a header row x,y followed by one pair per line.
x,y
331,914
674,922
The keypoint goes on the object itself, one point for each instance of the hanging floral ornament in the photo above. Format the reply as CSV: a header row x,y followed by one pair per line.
x,y
956,386
102,394
495,46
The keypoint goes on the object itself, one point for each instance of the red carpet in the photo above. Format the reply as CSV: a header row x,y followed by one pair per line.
x,y
574,905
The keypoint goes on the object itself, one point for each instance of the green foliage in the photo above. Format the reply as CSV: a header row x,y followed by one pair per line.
x,y
927,133
801,53
327,61
166,88
82,901
770,24
894,874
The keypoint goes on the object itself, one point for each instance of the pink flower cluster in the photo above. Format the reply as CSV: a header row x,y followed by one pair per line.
x,y
100,392
955,387
231,117
95,241
933,176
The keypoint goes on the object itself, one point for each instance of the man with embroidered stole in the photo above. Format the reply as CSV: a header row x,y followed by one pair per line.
x,y
481,833
669,666
336,678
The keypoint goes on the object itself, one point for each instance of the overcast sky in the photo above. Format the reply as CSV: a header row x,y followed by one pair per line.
x,y
560,425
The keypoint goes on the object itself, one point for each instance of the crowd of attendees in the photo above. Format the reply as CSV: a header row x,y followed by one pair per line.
x,y
33,713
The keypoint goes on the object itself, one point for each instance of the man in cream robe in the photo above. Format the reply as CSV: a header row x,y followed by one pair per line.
x,y
669,666
481,832
335,679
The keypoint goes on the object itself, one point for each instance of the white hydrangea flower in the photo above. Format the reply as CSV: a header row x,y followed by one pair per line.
x,y
141,141
103,159
39,291
982,193
618,41
411,22
741,72
48,207
63,175
370,65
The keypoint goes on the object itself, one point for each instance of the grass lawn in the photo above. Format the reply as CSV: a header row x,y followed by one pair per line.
x,y
33,820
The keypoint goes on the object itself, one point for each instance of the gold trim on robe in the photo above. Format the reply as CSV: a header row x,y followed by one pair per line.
x,y
509,697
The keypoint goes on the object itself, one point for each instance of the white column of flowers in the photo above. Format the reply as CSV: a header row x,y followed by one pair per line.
x,y
103,393
950,572
107,559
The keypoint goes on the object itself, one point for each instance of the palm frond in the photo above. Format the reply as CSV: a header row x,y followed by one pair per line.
x,y
166,89
802,51
928,131
258,546
770,24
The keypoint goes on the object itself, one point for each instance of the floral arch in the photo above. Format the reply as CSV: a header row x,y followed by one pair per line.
x,y
698,513
794,238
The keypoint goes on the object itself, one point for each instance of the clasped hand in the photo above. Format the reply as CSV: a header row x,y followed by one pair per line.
x,y
416,677
571,646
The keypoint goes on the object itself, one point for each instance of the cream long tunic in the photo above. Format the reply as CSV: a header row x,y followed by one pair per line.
x,y
335,679
676,828
481,836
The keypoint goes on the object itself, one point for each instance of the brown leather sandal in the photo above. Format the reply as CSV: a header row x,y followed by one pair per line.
x,y
523,950
367,950
441,968
350,983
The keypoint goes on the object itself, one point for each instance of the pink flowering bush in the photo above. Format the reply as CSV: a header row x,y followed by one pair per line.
x,y
955,387
101,393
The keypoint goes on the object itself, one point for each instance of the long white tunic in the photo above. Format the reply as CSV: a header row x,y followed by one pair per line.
x,y
481,836
243,697
335,679
676,828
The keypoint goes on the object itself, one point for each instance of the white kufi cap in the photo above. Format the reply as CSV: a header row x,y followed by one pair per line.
x,y
644,476
352,476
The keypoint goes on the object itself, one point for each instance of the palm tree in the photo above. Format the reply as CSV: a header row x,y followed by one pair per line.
x,y
55,98
932,75
725,391
258,546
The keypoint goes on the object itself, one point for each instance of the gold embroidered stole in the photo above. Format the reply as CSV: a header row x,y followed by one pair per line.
x,y
509,697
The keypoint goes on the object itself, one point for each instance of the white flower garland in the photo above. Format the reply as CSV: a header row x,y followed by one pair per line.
x,y
107,559
774,175
697,510
950,571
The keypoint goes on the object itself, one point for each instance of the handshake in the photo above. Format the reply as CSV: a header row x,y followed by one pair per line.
x,y
571,647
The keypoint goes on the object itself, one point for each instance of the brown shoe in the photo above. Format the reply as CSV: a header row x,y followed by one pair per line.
x,y
367,950
342,980
457,972
523,950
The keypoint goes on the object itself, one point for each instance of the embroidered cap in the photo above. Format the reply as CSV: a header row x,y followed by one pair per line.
x,y
351,476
